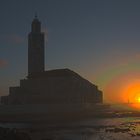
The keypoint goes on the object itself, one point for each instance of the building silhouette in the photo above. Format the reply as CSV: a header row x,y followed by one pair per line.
x,y
59,86
35,49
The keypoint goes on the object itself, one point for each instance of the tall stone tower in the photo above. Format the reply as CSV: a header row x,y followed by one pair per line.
x,y
35,48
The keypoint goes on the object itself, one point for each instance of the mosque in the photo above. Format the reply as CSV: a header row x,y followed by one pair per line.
x,y
59,86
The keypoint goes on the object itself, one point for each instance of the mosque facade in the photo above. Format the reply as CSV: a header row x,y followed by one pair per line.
x,y
58,86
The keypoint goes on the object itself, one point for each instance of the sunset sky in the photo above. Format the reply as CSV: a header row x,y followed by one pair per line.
x,y
99,39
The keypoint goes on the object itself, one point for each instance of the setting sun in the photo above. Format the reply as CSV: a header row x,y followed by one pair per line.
x,y
138,99
131,92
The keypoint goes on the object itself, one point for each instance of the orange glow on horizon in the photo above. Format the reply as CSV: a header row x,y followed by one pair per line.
x,y
138,99
131,93
135,106
124,88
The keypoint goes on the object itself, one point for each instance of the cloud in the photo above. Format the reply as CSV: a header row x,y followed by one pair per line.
x,y
15,39
3,63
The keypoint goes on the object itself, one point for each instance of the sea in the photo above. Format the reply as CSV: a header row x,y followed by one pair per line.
x,y
126,128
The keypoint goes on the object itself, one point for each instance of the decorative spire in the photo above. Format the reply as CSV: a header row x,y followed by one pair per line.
x,y
36,25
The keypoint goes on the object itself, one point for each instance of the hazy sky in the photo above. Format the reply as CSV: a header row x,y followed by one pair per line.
x,y
99,39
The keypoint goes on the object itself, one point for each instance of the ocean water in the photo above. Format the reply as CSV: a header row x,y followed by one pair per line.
x,y
127,128
95,129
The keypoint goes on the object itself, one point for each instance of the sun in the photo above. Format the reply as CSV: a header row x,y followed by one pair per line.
x,y
138,99
132,92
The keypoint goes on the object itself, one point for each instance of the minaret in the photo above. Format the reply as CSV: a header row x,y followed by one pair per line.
x,y
35,48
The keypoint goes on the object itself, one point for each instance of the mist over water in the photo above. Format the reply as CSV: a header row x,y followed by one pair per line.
x,y
127,128
100,129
